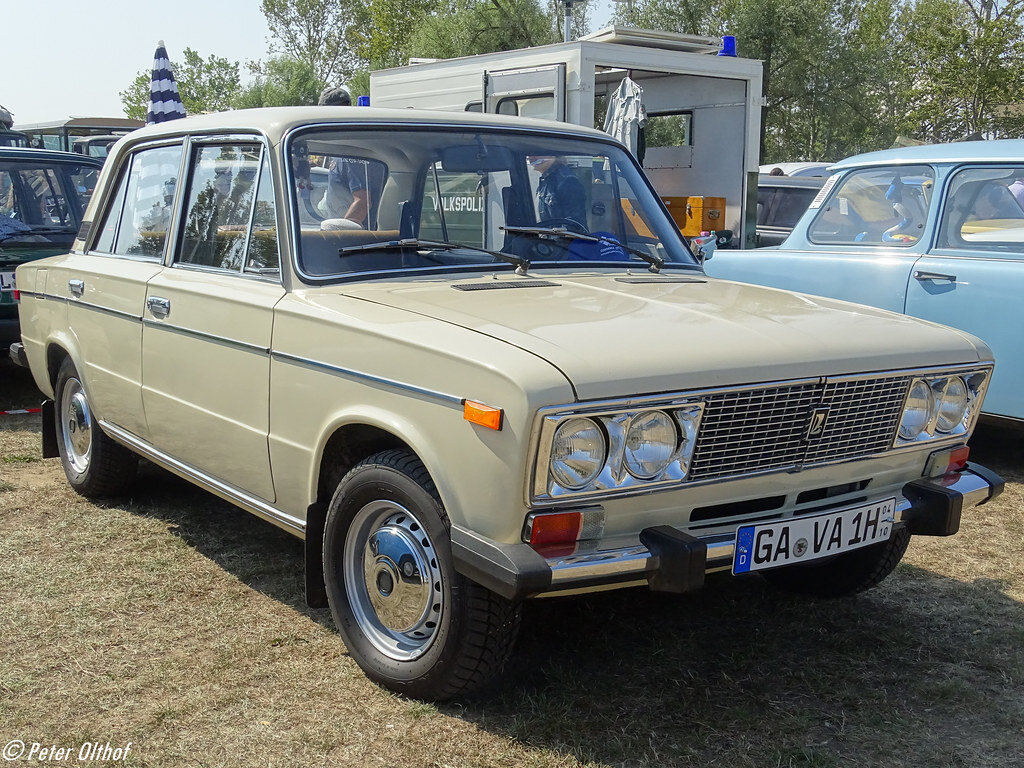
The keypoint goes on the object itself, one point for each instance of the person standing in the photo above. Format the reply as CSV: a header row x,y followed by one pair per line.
x,y
353,186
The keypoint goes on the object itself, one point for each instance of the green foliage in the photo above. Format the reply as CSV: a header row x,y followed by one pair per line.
x,y
281,82
314,31
964,73
467,27
205,85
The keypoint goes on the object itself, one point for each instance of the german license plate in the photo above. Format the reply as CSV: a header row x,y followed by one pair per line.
x,y
6,281
808,538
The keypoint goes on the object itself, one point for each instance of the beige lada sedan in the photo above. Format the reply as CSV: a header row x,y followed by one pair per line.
x,y
470,361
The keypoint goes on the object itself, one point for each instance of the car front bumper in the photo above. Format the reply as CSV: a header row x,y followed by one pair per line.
x,y
671,560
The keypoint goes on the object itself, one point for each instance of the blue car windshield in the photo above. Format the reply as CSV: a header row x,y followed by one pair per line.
x,y
443,199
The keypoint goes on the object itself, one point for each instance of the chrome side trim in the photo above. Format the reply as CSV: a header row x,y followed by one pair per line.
x,y
227,492
362,376
171,328
72,302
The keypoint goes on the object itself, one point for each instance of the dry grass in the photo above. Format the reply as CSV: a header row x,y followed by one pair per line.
x,y
176,622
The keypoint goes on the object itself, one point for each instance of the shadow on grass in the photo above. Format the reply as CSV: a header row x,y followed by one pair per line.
x,y
924,670
738,673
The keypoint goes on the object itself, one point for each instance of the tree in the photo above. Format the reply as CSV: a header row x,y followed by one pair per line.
x,y
964,74
281,81
205,85
316,32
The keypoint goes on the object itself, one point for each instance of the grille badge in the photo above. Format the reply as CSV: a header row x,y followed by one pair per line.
x,y
818,418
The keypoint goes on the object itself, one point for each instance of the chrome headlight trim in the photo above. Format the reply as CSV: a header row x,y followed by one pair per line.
x,y
616,475
953,414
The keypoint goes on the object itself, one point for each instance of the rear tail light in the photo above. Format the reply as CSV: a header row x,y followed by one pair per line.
x,y
17,295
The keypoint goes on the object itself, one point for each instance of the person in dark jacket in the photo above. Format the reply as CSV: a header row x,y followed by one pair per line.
x,y
560,195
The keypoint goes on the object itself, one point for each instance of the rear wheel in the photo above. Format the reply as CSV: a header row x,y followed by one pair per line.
x,y
844,574
409,619
95,465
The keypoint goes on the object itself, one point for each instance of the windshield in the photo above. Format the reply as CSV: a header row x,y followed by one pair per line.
x,y
443,200
43,202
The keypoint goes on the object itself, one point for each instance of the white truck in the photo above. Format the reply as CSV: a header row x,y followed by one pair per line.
x,y
704,109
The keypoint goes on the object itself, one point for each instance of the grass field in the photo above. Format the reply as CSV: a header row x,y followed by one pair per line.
x,y
175,622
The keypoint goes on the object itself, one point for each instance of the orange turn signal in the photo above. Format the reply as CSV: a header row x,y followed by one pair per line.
x,y
484,415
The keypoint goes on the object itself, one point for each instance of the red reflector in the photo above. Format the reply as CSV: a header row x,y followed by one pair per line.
x,y
958,458
17,295
559,529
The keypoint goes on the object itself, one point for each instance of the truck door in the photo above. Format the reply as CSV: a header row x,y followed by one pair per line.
x,y
529,92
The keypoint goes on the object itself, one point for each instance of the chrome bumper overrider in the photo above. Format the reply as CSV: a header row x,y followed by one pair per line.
x,y
926,507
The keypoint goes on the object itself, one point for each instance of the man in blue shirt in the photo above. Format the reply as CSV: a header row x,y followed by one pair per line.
x,y
353,186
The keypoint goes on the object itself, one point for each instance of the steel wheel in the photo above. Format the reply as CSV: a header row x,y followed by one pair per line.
x,y
392,580
95,465
409,618
77,425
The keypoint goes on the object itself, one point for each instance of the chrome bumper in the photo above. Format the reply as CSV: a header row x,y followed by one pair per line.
x,y
673,561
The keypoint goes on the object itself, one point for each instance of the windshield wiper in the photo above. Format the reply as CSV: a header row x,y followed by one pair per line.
x,y
521,265
656,262
38,231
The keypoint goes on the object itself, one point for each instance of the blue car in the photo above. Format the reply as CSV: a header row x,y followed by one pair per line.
x,y
933,231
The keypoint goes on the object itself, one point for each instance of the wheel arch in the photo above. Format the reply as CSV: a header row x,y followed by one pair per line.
x,y
345,445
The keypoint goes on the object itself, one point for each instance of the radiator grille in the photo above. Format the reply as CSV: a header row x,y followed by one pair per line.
x,y
762,429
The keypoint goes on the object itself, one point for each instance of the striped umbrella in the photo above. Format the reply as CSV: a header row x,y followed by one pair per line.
x,y
164,101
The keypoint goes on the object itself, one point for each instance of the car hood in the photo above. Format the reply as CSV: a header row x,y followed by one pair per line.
x,y
619,335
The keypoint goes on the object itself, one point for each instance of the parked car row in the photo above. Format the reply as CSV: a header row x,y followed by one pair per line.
x,y
459,399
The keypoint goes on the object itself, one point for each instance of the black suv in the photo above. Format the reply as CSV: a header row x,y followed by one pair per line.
x,y
43,195
781,201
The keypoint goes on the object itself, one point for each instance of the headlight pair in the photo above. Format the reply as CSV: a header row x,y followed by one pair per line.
x,y
940,406
605,451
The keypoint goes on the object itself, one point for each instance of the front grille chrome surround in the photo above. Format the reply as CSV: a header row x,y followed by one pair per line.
x,y
771,427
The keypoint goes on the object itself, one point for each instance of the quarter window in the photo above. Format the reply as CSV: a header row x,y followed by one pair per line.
x,y
877,206
985,211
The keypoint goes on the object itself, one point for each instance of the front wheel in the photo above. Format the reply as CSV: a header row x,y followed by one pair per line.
x,y
844,574
412,623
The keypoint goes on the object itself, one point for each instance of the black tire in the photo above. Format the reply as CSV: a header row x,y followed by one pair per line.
x,y
414,625
844,574
95,465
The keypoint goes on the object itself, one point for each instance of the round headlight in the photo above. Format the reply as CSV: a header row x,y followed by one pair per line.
x,y
651,441
917,411
577,453
952,404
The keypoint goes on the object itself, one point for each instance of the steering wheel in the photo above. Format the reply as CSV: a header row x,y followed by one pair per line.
x,y
571,224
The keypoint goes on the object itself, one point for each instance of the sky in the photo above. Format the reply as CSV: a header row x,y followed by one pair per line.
x,y
69,58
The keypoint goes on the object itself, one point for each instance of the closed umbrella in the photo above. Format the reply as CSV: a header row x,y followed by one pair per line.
x,y
164,100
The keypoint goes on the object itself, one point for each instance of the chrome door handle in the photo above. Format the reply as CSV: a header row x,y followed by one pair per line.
x,y
919,275
158,307
77,287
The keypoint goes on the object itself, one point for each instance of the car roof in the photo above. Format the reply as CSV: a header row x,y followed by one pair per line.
x,y
48,155
805,168
810,182
275,122
988,150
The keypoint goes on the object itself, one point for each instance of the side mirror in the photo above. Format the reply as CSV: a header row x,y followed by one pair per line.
x,y
703,247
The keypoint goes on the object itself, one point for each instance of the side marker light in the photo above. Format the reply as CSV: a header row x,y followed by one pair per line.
x,y
484,415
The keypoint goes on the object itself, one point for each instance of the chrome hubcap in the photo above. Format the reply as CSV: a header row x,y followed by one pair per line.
x,y
76,420
392,580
